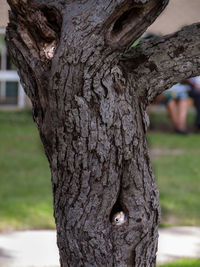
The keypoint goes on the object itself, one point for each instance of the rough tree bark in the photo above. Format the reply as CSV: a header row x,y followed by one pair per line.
x,y
89,102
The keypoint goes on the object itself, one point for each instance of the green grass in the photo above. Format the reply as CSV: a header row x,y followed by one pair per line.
x,y
25,189
183,263
176,166
160,120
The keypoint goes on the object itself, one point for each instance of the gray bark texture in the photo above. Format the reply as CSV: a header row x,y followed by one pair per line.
x,y
89,100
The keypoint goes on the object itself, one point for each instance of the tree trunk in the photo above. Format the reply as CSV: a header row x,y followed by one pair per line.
x,y
92,121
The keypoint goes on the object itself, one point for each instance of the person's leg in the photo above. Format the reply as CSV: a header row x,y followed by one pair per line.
x,y
182,108
172,109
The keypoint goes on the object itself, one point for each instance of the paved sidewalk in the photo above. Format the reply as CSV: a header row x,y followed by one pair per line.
x,y
29,249
38,248
178,242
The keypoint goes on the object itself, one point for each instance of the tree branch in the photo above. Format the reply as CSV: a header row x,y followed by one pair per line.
x,y
158,63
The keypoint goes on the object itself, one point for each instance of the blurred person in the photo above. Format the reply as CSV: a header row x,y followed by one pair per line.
x,y
176,99
194,93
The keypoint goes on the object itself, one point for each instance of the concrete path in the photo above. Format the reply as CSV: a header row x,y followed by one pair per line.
x,y
178,242
38,248
28,249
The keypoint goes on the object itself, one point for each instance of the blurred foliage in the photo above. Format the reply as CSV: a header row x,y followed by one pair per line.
x,y
136,42
2,43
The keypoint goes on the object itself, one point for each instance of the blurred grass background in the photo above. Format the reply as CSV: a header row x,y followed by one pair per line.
x,y
25,187
176,164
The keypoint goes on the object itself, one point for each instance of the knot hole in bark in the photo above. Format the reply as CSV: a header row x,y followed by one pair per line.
x,y
125,20
50,32
126,28
118,215
54,19
39,27
129,21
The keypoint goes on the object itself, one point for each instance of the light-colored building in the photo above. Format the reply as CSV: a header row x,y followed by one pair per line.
x,y
3,14
11,91
177,14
